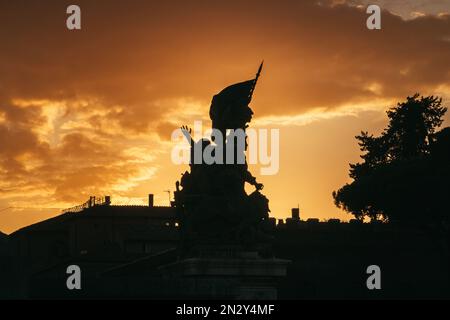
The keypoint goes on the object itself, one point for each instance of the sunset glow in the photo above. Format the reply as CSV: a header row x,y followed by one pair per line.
x,y
91,112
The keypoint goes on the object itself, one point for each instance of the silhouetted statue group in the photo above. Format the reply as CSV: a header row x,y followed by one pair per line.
x,y
213,206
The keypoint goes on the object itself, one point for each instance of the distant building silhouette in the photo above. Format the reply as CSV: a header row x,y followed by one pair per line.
x,y
120,250
96,231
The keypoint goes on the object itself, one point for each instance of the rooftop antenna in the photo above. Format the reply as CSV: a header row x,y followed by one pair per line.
x,y
168,191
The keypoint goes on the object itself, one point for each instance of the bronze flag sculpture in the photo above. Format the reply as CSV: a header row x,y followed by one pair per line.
x,y
211,201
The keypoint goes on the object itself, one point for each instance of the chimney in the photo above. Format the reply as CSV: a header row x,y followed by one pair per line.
x,y
150,200
91,202
295,213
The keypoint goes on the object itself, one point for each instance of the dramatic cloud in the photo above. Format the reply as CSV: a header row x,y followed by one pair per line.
x,y
77,108
135,53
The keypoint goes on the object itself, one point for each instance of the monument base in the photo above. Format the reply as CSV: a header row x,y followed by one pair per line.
x,y
244,276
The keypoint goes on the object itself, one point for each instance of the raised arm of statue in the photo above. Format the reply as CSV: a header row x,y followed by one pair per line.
x,y
187,133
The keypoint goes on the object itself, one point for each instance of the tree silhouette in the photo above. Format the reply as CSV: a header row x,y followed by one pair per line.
x,y
405,171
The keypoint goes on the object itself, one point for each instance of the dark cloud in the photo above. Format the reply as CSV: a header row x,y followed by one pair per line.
x,y
135,53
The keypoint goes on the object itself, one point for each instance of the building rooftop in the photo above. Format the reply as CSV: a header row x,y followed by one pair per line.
x,y
97,211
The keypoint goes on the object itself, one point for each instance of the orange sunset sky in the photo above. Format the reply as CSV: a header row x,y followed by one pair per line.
x,y
90,112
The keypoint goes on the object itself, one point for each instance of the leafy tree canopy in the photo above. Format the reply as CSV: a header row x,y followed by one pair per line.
x,y
404,175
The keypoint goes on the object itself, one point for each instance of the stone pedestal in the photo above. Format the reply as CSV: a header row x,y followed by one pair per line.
x,y
243,276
